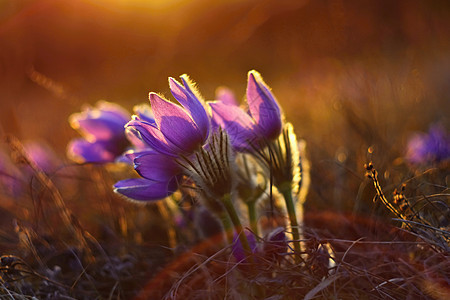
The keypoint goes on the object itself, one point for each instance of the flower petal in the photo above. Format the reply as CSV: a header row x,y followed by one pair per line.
x,y
145,190
156,166
144,112
237,248
239,125
152,136
129,155
192,102
263,106
226,96
175,124
97,125
83,151
103,122
118,111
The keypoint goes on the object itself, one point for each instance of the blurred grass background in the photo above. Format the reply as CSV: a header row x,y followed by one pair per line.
x,y
350,75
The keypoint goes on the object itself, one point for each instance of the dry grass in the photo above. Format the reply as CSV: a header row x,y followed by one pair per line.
x,y
355,78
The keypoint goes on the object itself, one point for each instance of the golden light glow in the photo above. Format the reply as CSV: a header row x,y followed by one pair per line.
x,y
138,4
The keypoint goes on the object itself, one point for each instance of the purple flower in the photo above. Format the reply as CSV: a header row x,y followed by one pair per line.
x,y
275,244
161,175
237,249
175,131
102,130
263,121
16,173
42,155
428,148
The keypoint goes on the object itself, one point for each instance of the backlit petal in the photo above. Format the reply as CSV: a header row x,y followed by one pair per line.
x,y
145,190
189,99
263,106
97,125
83,151
118,111
239,125
153,137
226,96
144,112
156,166
175,124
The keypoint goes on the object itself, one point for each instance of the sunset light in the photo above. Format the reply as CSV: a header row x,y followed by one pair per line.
x,y
230,149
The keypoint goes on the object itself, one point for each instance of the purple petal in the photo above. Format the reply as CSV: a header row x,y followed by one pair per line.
x,y
130,155
156,166
42,155
263,106
145,190
135,139
276,243
238,249
189,99
115,109
175,124
153,137
239,125
226,96
144,113
82,151
98,125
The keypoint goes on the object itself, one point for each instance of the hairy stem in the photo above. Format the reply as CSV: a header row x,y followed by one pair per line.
x,y
227,226
286,190
237,224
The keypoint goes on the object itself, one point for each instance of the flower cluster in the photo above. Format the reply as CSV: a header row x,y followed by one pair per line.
x,y
223,151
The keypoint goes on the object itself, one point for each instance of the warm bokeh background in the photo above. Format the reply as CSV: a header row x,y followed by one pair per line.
x,y
349,74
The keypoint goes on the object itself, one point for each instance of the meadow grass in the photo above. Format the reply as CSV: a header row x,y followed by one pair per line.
x,y
375,226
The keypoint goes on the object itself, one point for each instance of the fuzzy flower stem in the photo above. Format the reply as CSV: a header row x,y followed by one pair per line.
x,y
251,206
226,200
286,190
227,226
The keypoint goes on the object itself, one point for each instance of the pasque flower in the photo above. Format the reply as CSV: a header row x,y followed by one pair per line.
x,y
262,122
176,132
161,176
102,130
177,129
260,131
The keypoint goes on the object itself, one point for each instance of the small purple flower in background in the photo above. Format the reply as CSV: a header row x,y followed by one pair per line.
x,y
237,249
263,121
15,169
175,131
429,148
43,155
103,135
276,244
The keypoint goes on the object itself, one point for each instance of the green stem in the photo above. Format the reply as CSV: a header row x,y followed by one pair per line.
x,y
227,226
251,206
286,190
226,200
